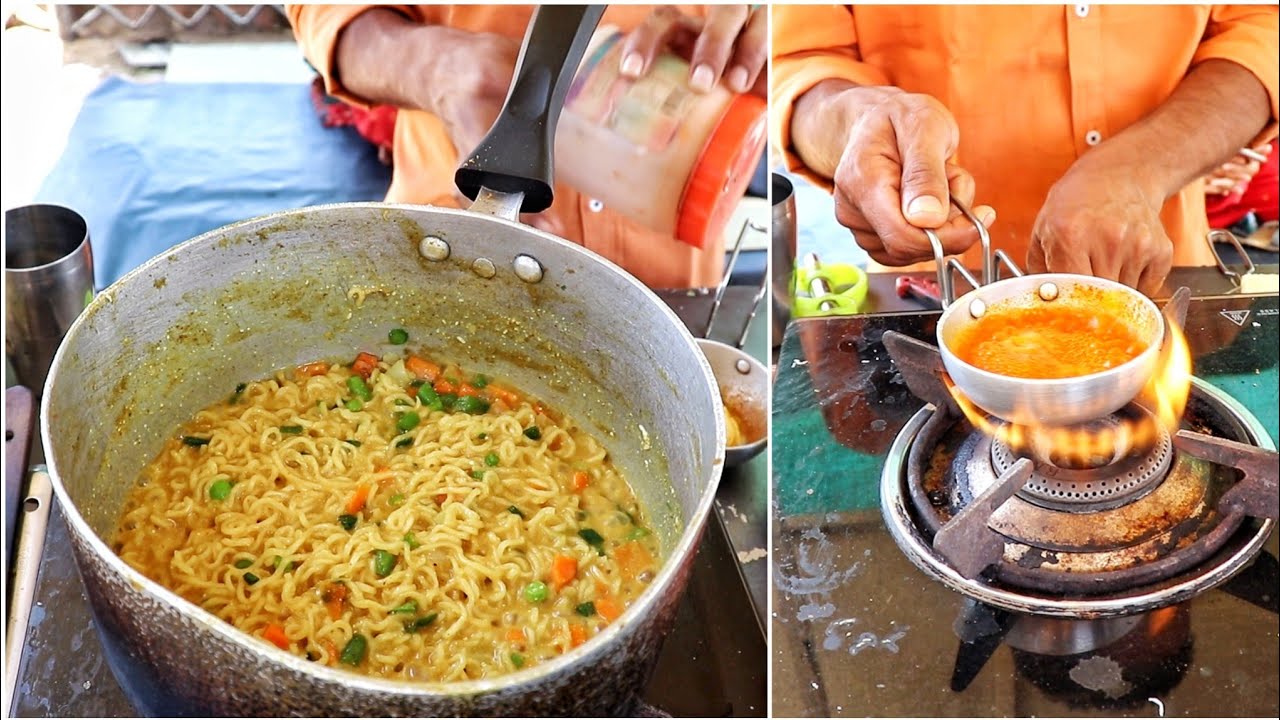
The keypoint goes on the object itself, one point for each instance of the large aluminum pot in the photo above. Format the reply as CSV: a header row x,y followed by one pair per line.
x,y
238,303
1061,401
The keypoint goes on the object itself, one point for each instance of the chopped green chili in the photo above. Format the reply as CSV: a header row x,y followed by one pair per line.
x,y
357,386
353,652
250,579
533,433
383,562
480,380
355,404
353,443
244,564
482,436
535,592
406,609
517,659
593,538
448,400
405,441
428,396
515,511
472,405
277,561
491,459
637,532
586,609
194,441
398,336
411,541
477,474
413,626
396,499
220,489
407,421
235,396
348,522
291,429
402,401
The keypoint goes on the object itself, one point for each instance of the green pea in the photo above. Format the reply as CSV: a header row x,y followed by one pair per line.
x,y
428,396
491,459
477,474
411,541
353,652
480,381
394,500
250,579
472,405
398,336
586,609
355,404
533,433
244,564
383,562
448,400
220,489
517,659
357,386
536,591
348,522
407,421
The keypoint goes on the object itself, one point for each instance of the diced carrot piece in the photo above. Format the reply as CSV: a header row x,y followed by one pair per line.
x,y
465,389
515,635
580,481
577,634
334,600
422,369
274,634
554,444
331,650
313,369
444,387
563,570
633,559
357,500
608,608
500,393
365,364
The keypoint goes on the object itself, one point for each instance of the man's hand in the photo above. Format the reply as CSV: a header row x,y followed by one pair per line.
x,y
1234,175
890,152
731,42
1103,224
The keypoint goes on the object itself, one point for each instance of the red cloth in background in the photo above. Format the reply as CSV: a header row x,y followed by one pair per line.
x,y
377,124
1261,196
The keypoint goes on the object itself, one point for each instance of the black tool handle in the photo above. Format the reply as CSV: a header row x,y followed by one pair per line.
x,y
516,155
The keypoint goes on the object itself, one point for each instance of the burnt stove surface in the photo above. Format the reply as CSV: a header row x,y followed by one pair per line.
x,y
859,629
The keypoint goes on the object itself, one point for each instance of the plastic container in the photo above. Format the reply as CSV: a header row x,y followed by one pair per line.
x,y
672,159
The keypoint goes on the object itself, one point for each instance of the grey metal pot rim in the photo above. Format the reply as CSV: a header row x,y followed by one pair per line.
x,y
597,646
1034,281
921,554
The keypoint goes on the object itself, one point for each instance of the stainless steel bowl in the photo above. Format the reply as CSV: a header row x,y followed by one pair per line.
x,y
1062,401
745,382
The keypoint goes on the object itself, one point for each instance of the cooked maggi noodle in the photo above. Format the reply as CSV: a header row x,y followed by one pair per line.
x,y
396,517
1052,340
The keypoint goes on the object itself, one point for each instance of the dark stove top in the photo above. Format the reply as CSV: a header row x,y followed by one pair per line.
x,y
859,630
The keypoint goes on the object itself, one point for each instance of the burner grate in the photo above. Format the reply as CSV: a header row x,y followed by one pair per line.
x,y
1117,483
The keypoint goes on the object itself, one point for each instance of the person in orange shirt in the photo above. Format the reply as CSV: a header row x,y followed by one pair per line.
x,y
448,69
1089,129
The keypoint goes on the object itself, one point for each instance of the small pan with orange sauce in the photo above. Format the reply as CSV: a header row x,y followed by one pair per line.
x,y
1055,348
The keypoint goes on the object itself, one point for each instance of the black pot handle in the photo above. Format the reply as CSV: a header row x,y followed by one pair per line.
x,y
516,155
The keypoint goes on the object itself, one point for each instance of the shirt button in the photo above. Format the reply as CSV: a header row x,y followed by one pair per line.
x,y
595,205
1093,137
1082,11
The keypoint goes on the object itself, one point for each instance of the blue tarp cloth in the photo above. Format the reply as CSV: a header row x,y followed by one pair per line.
x,y
150,165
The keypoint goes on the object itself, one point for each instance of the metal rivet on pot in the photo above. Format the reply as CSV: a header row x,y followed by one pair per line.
x,y
433,248
1048,291
977,308
484,268
528,268
742,366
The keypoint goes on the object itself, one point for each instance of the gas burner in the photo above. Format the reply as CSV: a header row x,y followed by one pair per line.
x,y
1125,473
1139,527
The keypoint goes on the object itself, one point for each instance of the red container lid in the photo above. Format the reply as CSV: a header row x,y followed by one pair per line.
x,y
722,172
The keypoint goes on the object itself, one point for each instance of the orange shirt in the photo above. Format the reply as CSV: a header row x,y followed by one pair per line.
x,y
1032,88
425,159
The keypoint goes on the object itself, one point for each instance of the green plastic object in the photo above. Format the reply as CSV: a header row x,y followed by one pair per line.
x,y
848,285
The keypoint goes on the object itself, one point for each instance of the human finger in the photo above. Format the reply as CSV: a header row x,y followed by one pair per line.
x,y
715,45
644,43
750,53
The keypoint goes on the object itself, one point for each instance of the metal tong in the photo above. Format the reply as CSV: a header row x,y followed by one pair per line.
x,y
749,224
990,262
